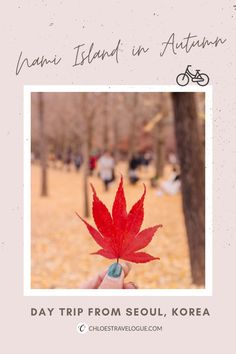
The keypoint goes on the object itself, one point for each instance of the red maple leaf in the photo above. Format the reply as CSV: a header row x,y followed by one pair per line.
x,y
119,234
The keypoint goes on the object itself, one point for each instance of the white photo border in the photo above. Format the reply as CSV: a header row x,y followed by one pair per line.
x,y
207,291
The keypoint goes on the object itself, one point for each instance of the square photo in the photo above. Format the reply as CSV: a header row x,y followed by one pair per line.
x,y
117,197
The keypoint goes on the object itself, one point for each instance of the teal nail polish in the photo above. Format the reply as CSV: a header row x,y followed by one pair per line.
x,y
115,270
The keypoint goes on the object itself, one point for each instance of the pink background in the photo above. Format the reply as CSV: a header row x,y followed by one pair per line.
x,y
26,26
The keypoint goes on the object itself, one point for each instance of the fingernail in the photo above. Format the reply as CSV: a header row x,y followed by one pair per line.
x,y
114,271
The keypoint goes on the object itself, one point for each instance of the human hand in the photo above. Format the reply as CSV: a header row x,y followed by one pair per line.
x,y
112,278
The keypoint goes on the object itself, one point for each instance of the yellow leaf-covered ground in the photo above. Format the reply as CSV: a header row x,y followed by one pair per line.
x,y
61,245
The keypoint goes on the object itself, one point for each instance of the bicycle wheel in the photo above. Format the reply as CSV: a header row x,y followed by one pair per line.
x,y
182,79
205,80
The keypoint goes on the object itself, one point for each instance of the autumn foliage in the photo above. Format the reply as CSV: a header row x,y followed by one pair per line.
x,y
119,234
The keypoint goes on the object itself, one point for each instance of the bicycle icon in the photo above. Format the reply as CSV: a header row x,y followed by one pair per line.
x,y
200,78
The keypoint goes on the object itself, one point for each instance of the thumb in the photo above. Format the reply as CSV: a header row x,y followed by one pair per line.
x,y
114,279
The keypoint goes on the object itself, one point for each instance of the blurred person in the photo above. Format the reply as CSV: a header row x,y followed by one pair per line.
x,y
59,159
78,161
106,166
134,164
171,186
92,163
147,158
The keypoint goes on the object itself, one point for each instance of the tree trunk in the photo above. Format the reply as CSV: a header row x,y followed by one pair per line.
x,y
43,148
159,135
159,149
115,104
105,120
192,179
133,125
116,139
86,154
85,179
88,116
